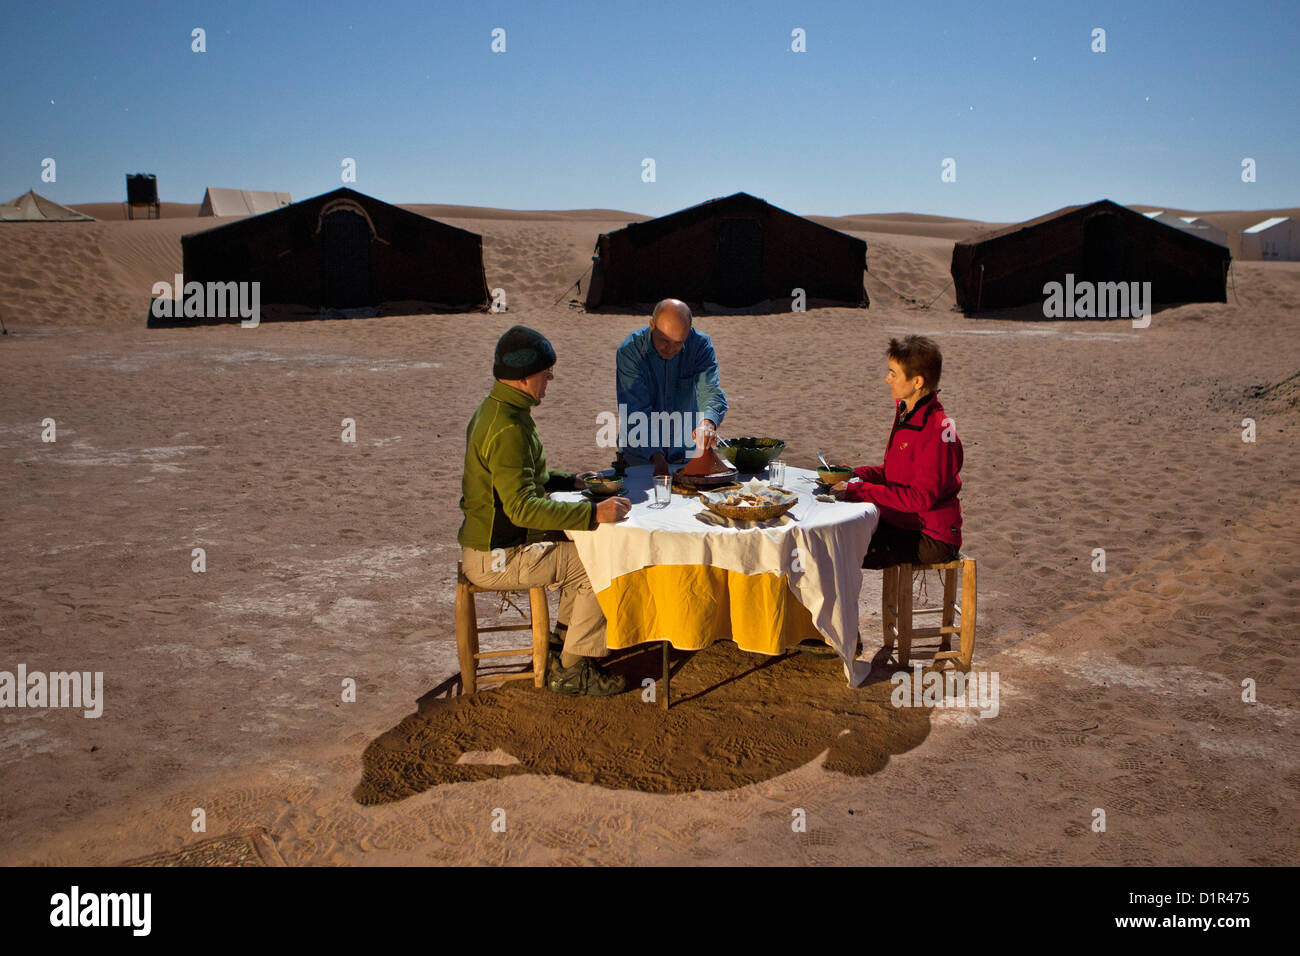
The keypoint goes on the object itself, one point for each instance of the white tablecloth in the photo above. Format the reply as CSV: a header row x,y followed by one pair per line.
x,y
818,545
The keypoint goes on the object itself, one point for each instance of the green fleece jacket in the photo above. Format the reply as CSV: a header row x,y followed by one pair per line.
x,y
503,491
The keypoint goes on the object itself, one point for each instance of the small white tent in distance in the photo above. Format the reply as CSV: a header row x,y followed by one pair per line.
x,y
1190,224
1273,239
241,202
33,207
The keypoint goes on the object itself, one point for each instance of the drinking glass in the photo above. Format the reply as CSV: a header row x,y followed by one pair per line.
x,y
776,474
663,491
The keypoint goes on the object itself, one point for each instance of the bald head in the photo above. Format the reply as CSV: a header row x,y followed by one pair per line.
x,y
670,325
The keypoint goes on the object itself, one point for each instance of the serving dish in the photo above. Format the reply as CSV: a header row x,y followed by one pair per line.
x,y
749,503
750,454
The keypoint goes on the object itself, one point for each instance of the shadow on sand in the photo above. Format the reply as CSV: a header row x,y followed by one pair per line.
x,y
736,718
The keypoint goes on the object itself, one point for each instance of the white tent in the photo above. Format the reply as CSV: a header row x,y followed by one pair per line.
x,y
241,202
1274,238
32,207
1206,230
1190,224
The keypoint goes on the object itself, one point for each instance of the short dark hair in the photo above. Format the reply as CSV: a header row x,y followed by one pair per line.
x,y
919,356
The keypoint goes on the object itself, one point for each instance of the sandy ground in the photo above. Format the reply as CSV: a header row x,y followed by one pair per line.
x,y
1120,690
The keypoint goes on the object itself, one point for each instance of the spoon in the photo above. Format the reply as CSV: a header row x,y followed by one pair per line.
x,y
822,458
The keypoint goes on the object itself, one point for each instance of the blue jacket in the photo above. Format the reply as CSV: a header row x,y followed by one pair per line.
x,y
647,384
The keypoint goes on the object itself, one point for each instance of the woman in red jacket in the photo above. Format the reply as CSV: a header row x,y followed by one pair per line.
x,y
916,488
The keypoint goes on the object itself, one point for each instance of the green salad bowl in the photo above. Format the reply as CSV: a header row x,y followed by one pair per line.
x,y
751,455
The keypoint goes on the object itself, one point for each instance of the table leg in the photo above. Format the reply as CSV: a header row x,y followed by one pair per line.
x,y
667,674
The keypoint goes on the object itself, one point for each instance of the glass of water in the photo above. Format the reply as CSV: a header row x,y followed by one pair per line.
x,y
663,491
776,473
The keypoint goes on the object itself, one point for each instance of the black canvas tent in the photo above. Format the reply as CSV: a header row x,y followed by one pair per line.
x,y
735,252
344,250
1099,242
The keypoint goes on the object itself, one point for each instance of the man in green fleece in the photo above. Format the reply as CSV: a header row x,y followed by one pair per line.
x,y
512,534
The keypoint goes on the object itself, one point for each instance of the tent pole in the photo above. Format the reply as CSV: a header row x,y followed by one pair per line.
x,y
979,299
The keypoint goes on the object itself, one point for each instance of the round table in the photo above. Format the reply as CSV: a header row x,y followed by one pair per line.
x,y
687,576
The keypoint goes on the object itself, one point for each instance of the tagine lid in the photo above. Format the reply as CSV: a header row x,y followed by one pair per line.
x,y
707,463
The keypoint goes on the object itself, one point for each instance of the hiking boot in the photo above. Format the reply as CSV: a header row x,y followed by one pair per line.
x,y
584,678
553,649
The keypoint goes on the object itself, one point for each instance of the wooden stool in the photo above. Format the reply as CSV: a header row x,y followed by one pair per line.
x,y
467,632
897,611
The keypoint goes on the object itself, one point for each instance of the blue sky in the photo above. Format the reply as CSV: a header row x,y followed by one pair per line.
x,y
861,122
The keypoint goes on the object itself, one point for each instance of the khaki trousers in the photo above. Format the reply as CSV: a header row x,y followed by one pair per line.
x,y
548,564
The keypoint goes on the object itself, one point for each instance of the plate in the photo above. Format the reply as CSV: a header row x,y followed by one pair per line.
x,y
705,481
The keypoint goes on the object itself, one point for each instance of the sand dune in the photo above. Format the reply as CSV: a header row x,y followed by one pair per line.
x,y
522,215
117,210
901,224
100,274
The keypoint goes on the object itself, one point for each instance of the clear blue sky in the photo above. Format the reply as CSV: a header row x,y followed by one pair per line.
x,y
861,122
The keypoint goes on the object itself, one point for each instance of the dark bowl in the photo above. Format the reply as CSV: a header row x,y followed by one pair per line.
x,y
604,485
751,455
704,481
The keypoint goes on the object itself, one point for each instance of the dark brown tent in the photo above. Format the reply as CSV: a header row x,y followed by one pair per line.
x,y
344,250
735,252
1099,242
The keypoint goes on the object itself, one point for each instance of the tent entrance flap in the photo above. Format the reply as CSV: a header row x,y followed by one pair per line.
x,y
739,278
1105,249
346,259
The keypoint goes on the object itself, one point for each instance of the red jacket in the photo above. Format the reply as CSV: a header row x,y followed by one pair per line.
x,y
917,486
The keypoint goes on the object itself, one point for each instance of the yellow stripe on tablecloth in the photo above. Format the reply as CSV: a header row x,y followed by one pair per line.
x,y
692,605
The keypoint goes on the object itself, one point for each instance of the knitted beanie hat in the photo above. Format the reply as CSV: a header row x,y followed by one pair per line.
x,y
521,352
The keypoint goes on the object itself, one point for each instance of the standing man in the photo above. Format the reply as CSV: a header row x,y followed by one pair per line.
x,y
667,383
510,537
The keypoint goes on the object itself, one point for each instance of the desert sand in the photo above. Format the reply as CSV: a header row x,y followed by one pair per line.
x,y
1120,690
